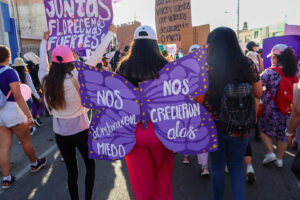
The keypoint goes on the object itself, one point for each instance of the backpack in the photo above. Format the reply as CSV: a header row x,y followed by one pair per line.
x,y
3,98
237,111
284,95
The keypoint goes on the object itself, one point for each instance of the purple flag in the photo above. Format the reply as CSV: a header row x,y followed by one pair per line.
x,y
79,25
180,123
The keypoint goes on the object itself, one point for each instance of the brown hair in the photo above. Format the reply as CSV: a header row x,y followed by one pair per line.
x,y
53,85
4,53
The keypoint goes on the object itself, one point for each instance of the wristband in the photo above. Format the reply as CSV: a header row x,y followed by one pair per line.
x,y
287,133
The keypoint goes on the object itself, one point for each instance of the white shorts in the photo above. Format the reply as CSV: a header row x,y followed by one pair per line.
x,y
11,115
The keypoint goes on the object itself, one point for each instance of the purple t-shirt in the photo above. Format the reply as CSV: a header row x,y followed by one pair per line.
x,y
7,77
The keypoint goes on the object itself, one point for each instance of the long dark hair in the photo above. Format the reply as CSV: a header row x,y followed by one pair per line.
x,y
53,85
142,62
21,70
33,70
288,61
225,58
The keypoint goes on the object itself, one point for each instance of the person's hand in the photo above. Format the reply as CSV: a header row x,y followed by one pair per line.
x,y
29,122
46,35
120,46
112,28
40,100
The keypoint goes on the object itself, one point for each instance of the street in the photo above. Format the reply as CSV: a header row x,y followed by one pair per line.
x,y
112,180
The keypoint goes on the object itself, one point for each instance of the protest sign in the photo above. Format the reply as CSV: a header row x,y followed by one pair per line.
x,y
180,123
171,16
193,35
293,41
79,25
125,32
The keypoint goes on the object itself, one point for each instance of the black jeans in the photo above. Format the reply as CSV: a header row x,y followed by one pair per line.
x,y
67,146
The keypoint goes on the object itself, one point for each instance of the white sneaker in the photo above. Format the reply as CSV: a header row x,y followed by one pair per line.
x,y
270,157
279,163
33,131
204,172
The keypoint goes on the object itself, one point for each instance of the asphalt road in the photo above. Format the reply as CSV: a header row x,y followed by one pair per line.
x,y
112,180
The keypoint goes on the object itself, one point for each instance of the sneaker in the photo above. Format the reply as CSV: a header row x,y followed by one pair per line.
x,y
186,160
7,184
38,122
279,163
250,175
32,131
40,165
204,171
269,158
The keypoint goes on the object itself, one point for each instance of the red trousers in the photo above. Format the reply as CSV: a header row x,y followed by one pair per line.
x,y
150,166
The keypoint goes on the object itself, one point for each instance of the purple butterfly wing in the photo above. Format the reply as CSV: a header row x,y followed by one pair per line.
x,y
112,135
112,132
167,103
100,88
189,129
184,78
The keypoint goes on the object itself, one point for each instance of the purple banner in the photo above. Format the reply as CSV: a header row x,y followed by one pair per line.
x,y
79,25
293,41
180,123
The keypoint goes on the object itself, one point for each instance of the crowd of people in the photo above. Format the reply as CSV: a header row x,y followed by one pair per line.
x,y
55,87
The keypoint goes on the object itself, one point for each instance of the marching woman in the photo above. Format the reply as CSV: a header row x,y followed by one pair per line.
x,y
70,122
150,164
21,67
15,117
226,63
273,122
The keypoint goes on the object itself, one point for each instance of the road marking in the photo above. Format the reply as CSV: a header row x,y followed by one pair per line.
x,y
28,168
289,153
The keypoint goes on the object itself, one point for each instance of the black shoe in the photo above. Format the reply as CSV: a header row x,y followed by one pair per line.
x,y
257,133
40,165
251,177
7,184
38,122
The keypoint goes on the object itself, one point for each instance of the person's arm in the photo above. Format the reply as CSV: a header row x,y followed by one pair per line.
x,y
261,63
257,89
251,75
295,116
200,99
97,55
29,82
44,64
16,92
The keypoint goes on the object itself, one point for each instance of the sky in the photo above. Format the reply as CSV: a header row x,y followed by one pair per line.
x,y
258,13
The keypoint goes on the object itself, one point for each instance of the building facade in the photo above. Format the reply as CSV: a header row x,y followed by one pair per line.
x,y
259,34
8,30
32,20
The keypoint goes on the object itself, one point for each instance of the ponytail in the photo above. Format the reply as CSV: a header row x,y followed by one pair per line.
x,y
289,62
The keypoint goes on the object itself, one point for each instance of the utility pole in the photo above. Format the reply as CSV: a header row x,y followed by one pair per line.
x,y
238,21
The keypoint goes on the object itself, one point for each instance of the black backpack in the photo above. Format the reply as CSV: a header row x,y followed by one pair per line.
x,y
237,111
